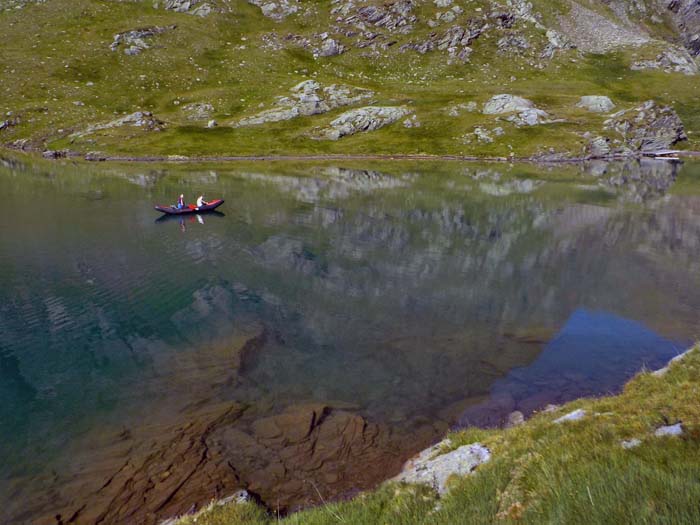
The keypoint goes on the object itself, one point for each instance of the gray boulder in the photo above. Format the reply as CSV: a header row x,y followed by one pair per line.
x,y
529,117
193,7
308,98
576,415
369,118
330,48
277,10
435,469
630,443
669,430
502,104
598,147
595,103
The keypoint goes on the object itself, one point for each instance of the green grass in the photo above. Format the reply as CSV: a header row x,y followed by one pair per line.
x,y
56,53
541,472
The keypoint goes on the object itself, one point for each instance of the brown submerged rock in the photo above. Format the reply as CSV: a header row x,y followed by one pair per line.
x,y
196,448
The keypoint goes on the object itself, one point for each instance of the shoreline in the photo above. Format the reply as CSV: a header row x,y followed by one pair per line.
x,y
452,456
672,155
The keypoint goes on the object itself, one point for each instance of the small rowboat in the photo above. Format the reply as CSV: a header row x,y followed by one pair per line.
x,y
191,208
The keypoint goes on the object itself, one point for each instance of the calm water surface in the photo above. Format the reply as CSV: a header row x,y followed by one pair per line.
x,y
446,293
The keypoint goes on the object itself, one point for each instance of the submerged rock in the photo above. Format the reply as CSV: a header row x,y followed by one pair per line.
x,y
515,419
308,98
596,103
369,118
436,470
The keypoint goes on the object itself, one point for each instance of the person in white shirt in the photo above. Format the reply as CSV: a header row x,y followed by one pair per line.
x,y
201,202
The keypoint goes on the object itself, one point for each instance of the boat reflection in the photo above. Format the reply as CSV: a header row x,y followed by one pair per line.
x,y
183,220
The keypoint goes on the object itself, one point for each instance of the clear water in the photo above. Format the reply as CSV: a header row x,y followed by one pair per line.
x,y
442,292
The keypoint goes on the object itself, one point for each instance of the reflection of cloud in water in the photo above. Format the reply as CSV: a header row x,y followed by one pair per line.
x,y
510,187
333,183
594,352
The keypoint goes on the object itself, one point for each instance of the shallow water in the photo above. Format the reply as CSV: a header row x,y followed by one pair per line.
x,y
415,295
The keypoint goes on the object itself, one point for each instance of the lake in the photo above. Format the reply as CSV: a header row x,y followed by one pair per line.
x,y
331,321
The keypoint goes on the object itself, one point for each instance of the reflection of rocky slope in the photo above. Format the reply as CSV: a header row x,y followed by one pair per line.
x,y
333,183
360,314
511,263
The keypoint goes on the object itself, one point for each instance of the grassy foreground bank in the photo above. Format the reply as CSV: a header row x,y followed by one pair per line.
x,y
542,472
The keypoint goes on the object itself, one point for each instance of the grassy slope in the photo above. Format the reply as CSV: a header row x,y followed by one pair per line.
x,y
546,473
51,51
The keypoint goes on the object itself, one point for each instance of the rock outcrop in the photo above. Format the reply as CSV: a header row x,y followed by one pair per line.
x,y
368,118
522,111
645,129
140,119
596,103
673,60
502,104
306,99
431,467
198,111
193,7
136,40
277,10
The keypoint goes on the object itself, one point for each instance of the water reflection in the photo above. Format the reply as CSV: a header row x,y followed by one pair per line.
x,y
190,219
591,354
410,297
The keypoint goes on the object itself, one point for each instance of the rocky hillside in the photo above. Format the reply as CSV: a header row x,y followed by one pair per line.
x,y
503,78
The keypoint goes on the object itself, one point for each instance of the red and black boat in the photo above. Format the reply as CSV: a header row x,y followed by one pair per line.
x,y
190,208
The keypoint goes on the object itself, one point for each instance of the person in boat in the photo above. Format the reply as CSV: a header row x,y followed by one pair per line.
x,y
181,201
201,202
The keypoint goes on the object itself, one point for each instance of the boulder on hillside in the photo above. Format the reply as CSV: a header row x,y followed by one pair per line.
x,y
192,7
647,128
673,60
435,470
596,103
308,98
136,40
502,104
358,120
523,111
277,10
